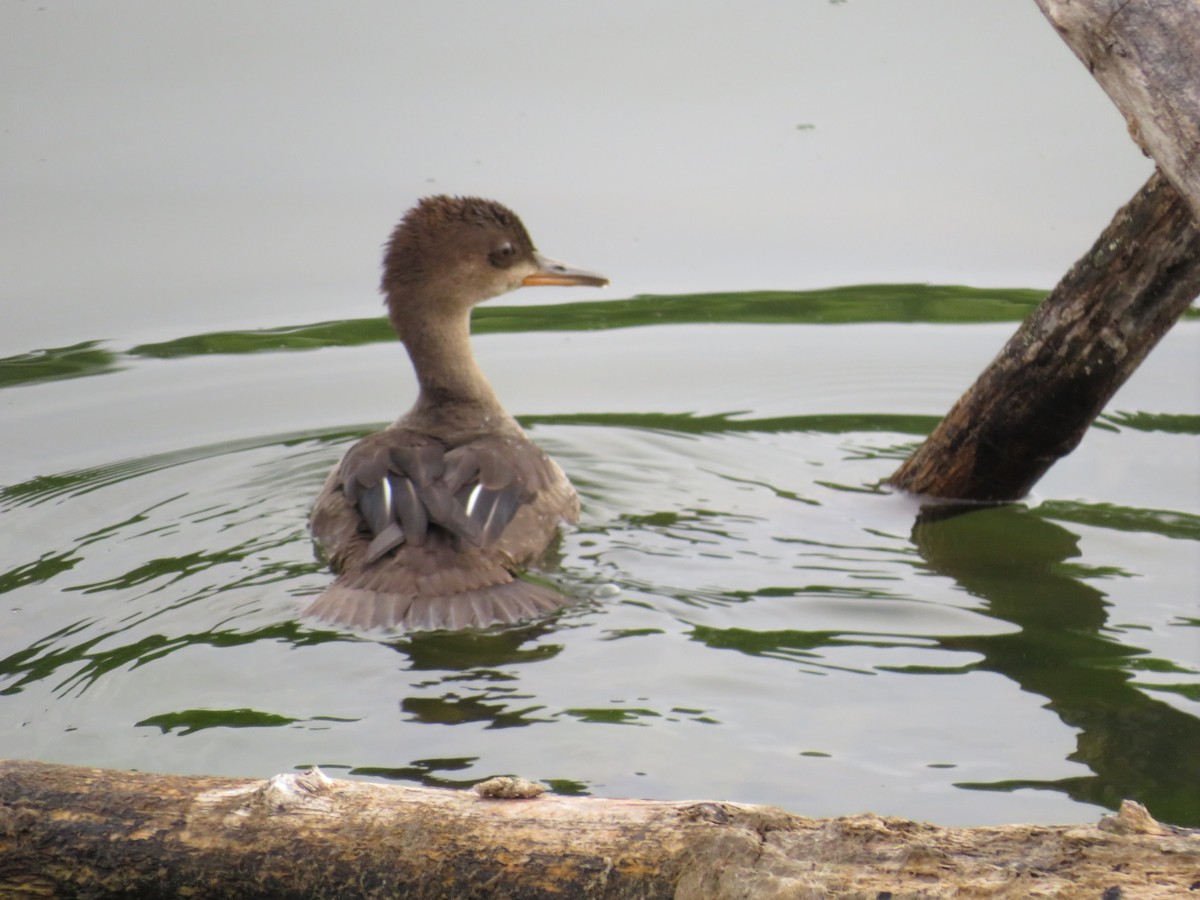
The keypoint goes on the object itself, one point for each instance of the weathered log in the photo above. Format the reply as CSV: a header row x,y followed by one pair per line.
x,y
1146,56
1034,403
67,831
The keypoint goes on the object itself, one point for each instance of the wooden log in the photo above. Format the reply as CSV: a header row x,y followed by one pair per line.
x,y
1146,57
1034,403
68,831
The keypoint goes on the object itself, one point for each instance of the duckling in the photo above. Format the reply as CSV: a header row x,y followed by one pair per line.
x,y
428,522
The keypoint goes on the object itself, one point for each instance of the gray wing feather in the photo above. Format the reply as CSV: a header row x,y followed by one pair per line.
x,y
410,512
492,510
445,509
389,538
424,463
400,489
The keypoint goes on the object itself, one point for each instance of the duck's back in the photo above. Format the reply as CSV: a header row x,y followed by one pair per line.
x,y
429,534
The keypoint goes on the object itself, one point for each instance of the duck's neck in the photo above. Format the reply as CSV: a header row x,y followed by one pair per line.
x,y
453,389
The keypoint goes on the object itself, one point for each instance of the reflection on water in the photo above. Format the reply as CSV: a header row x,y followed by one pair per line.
x,y
756,619
1016,561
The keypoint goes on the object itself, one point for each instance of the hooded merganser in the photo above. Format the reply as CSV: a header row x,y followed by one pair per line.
x,y
428,522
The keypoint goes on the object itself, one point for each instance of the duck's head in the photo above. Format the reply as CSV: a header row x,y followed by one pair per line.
x,y
450,253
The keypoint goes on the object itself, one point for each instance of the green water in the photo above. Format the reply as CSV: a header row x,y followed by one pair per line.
x,y
756,619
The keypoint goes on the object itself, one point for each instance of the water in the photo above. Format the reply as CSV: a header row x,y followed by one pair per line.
x,y
188,196
755,619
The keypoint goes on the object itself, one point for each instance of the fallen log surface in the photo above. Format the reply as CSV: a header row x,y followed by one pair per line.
x,y
69,831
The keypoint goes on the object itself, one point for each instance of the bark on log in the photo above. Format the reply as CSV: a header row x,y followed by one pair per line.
x,y
67,831
1146,56
1034,403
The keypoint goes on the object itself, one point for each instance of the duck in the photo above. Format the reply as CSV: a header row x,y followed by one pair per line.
x,y
429,523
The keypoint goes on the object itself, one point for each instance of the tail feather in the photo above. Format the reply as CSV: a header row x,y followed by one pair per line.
x,y
499,604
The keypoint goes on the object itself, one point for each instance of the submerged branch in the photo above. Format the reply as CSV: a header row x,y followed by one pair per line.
x,y
1035,401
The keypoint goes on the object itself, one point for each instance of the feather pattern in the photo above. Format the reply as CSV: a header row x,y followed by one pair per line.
x,y
427,536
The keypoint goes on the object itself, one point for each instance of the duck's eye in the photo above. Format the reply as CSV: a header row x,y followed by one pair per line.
x,y
502,257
